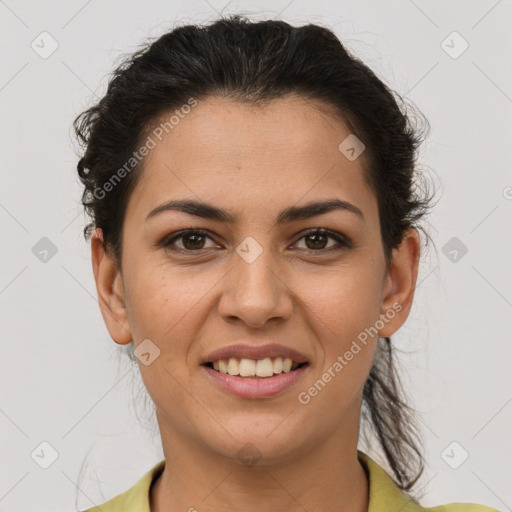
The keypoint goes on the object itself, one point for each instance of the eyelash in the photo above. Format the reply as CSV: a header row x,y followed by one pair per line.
x,y
343,242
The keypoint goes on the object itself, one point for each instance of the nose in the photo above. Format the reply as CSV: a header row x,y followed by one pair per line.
x,y
256,292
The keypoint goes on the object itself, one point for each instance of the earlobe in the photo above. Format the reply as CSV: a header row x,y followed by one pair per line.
x,y
400,283
110,290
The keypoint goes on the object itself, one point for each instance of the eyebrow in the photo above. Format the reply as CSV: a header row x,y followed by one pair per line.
x,y
290,214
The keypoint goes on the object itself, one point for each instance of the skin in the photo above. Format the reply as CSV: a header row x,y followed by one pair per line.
x,y
254,162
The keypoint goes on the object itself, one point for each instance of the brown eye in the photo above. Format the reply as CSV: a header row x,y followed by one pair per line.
x,y
192,240
316,241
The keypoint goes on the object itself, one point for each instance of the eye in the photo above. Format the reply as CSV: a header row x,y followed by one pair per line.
x,y
315,240
192,240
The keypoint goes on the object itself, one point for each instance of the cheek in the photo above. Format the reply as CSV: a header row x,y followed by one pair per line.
x,y
342,317
167,305
344,301
155,302
343,308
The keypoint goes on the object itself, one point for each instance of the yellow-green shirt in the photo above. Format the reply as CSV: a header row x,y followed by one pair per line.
x,y
385,495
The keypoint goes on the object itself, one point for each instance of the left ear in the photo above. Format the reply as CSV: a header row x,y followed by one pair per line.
x,y
400,283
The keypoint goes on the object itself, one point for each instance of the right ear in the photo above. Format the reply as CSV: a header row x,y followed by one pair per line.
x,y
109,286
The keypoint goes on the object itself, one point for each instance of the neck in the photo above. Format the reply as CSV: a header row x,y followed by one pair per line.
x,y
323,477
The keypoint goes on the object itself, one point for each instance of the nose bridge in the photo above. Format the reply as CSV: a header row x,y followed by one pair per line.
x,y
255,291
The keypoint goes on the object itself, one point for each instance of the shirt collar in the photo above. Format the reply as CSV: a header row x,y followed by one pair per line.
x,y
385,495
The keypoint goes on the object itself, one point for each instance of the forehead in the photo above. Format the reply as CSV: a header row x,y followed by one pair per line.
x,y
251,156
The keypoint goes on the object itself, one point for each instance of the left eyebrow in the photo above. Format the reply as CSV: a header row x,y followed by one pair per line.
x,y
290,214
316,208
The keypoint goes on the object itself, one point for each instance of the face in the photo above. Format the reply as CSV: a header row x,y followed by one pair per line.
x,y
257,278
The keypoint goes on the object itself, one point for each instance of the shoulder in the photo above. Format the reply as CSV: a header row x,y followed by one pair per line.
x,y
461,507
384,494
136,498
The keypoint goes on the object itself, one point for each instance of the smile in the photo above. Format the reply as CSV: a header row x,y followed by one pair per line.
x,y
260,368
254,386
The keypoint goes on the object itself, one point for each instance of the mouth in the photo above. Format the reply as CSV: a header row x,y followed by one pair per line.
x,y
255,369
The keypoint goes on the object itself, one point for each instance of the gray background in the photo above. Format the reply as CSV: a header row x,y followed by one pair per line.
x,y
60,379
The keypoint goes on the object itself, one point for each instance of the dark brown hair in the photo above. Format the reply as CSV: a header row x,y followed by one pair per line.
x,y
255,62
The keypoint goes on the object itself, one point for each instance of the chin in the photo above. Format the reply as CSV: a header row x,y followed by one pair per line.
x,y
262,443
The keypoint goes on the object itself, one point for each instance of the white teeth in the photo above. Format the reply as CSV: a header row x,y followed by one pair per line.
x,y
223,366
249,367
278,365
233,366
264,368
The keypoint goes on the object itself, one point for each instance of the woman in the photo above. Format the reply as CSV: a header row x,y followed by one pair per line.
x,y
255,238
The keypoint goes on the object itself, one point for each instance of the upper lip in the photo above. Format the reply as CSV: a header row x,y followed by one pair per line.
x,y
245,351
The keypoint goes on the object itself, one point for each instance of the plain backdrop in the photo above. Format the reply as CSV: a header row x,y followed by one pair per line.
x,y
64,397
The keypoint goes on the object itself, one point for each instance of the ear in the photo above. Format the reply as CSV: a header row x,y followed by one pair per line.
x,y
400,283
109,286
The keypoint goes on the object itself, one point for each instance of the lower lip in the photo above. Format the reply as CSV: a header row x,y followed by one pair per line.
x,y
255,387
